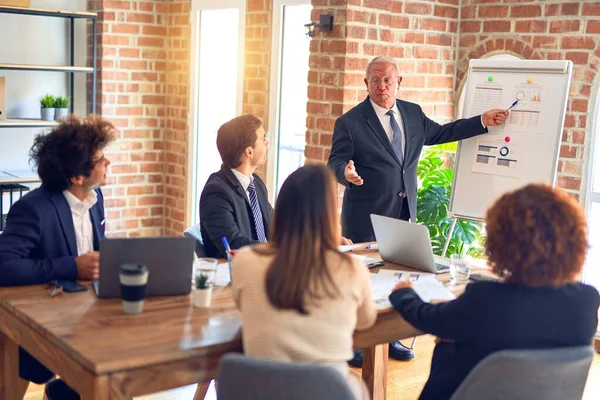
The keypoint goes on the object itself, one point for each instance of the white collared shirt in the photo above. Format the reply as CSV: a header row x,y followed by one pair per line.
x,y
82,222
387,125
244,181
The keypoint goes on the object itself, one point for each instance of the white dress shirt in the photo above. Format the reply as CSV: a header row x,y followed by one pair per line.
x,y
82,222
244,181
387,125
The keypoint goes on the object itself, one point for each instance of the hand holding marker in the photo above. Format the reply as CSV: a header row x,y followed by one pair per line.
x,y
513,104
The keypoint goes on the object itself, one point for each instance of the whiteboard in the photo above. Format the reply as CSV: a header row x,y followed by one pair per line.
x,y
525,148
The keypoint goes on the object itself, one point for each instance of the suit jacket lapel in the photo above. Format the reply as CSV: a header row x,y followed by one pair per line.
x,y
95,223
234,183
66,221
375,125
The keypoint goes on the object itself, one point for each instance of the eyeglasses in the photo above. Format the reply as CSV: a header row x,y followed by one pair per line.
x,y
388,80
53,288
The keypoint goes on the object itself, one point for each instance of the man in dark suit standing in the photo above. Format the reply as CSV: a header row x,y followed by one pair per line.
x,y
53,232
234,202
375,153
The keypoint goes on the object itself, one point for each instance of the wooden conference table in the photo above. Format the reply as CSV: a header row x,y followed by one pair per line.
x,y
104,354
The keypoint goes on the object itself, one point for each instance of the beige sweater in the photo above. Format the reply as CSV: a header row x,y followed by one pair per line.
x,y
323,336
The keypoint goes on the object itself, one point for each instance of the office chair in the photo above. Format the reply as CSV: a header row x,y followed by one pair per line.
x,y
549,374
240,377
194,233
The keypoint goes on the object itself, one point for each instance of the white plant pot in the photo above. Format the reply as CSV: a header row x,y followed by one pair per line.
x,y
47,114
202,297
61,113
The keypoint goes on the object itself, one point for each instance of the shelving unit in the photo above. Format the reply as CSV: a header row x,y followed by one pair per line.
x,y
10,177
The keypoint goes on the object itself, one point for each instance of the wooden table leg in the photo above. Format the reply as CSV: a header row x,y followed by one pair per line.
x,y
201,390
374,370
11,386
98,390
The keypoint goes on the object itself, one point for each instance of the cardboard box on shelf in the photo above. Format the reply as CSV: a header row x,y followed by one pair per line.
x,y
16,3
2,98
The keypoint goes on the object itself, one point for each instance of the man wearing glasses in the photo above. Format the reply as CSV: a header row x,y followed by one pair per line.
x,y
53,232
375,152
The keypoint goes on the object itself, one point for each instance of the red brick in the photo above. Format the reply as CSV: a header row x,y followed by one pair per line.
x,y
592,9
433,25
579,58
531,26
379,4
418,8
439,40
493,12
470,26
530,11
564,26
445,12
568,151
578,43
425,52
468,12
593,26
400,22
496,26
125,28
568,182
579,105
545,42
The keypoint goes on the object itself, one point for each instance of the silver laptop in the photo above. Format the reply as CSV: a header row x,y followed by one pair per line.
x,y
169,261
407,244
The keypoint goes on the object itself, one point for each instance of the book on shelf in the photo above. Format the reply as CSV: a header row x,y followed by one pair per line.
x,y
9,195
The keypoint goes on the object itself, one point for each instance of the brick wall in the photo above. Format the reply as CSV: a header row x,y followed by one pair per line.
x,y
138,42
542,30
257,61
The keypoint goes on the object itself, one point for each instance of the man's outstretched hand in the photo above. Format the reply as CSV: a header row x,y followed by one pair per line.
x,y
351,175
494,117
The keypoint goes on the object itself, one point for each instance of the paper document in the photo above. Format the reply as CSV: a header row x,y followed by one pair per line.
x,y
369,261
348,247
425,284
222,277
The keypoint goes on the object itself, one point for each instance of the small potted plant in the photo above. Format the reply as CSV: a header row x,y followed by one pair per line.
x,y
61,106
202,291
47,107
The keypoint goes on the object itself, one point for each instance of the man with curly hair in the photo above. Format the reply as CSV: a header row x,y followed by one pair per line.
x,y
53,232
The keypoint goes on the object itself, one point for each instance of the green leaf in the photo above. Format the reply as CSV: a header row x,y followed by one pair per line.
x,y
432,203
440,177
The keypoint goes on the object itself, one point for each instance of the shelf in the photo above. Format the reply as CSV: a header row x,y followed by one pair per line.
x,y
47,13
26,123
18,177
48,68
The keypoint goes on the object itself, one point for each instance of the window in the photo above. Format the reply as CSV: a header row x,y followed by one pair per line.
x,y
591,272
289,90
216,86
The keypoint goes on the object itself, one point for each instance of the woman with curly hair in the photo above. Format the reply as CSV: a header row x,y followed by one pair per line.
x,y
537,242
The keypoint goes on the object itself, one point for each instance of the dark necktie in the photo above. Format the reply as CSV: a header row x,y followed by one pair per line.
x,y
258,219
396,137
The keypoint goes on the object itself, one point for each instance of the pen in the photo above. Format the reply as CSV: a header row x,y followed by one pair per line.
x,y
513,104
371,246
226,245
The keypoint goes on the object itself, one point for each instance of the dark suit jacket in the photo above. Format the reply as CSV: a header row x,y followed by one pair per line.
x,y
38,244
359,136
490,317
225,211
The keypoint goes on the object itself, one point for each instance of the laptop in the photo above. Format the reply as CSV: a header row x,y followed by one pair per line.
x,y
408,244
169,261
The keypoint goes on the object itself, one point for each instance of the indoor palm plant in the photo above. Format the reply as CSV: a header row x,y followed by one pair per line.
x,y
202,291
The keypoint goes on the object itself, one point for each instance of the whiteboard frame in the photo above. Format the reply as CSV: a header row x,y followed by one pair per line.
x,y
533,66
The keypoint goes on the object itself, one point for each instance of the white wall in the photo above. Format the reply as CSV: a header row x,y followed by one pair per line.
x,y
30,39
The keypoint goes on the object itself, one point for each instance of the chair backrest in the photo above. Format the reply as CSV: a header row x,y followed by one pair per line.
x,y
194,233
549,374
247,378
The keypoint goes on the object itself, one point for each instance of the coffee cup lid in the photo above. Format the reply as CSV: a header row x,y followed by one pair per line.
x,y
133,269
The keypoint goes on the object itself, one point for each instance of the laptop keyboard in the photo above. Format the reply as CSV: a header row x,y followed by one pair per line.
x,y
441,268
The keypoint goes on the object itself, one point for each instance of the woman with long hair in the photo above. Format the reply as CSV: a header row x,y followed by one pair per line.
x,y
300,298
537,242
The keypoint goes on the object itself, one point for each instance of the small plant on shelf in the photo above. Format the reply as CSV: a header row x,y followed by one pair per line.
x,y
47,107
47,101
61,105
201,281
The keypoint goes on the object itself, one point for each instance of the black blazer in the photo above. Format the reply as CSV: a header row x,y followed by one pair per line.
x,y
359,136
38,244
490,317
225,211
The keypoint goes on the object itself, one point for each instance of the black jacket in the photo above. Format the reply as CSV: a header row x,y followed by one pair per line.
x,y
225,211
490,317
359,136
